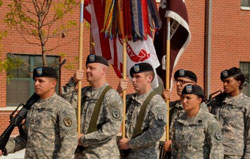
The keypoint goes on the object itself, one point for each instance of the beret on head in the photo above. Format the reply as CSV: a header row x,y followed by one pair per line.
x,y
45,72
92,58
230,72
141,67
185,73
193,89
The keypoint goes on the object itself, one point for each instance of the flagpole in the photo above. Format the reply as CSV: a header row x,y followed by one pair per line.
x,y
120,12
80,68
168,75
124,91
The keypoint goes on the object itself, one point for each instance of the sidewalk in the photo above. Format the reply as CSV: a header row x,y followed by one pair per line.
x,y
17,155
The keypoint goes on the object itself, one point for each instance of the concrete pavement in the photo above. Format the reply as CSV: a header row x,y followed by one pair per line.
x,y
17,155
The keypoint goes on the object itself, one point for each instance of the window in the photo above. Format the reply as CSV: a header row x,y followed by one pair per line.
x,y
245,4
245,68
20,84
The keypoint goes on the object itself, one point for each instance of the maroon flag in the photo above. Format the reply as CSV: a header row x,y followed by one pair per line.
x,y
180,35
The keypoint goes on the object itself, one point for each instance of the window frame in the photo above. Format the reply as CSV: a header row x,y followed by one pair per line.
x,y
243,7
248,84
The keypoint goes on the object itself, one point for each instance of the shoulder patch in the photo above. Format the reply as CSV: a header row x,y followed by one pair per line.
x,y
116,113
160,116
218,135
67,121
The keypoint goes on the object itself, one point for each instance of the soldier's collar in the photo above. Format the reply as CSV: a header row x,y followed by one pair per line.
x,y
100,88
233,100
94,92
47,99
141,98
185,120
179,104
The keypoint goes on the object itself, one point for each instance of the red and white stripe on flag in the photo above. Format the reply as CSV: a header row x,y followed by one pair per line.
x,y
111,49
137,52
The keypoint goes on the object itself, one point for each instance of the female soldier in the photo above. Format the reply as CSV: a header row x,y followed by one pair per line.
x,y
233,114
197,134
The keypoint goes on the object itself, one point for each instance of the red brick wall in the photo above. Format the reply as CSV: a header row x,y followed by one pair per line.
x,y
230,38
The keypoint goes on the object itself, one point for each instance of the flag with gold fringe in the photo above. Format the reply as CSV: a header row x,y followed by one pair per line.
x,y
133,19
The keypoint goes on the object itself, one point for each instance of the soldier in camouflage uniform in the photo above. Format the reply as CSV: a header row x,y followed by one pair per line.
x,y
100,142
233,113
143,139
50,125
182,78
196,133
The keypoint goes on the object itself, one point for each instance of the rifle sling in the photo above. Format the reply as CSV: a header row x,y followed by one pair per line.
x,y
141,115
95,114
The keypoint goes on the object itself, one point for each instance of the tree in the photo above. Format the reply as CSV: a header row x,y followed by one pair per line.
x,y
39,19
8,63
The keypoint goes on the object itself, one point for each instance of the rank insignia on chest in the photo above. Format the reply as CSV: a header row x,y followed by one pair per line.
x,y
67,121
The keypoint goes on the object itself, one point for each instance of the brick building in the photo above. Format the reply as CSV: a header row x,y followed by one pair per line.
x,y
230,41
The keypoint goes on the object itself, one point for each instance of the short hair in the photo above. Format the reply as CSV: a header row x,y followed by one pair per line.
x,y
151,73
240,77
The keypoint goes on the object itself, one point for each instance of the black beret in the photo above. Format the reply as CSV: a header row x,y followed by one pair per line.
x,y
193,89
45,72
185,73
92,58
230,72
141,67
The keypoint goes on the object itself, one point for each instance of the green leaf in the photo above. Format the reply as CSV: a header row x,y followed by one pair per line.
x,y
62,54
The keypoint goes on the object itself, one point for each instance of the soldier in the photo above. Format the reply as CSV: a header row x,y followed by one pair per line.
x,y
101,111
233,113
146,116
50,125
182,78
196,133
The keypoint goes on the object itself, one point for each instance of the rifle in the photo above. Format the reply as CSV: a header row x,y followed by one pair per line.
x,y
214,99
19,117
16,121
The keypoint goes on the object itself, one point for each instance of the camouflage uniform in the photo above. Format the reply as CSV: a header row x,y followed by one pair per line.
x,y
197,138
50,129
100,144
234,116
176,109
146,144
